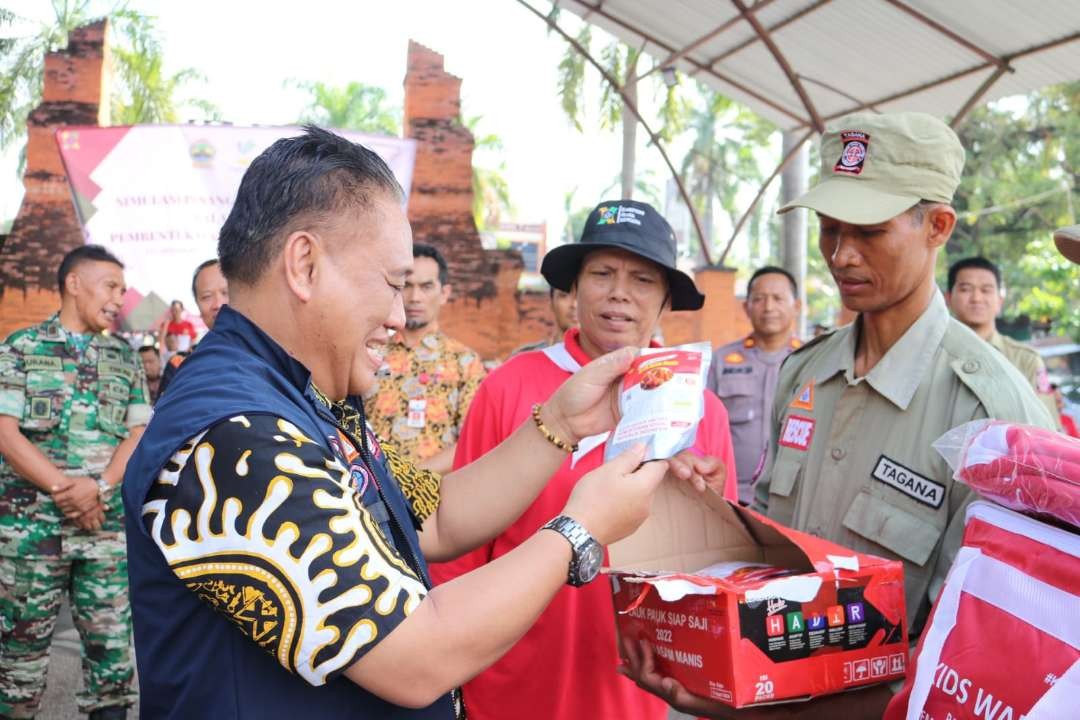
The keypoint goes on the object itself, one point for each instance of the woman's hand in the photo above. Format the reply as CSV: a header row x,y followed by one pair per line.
x,y
588,403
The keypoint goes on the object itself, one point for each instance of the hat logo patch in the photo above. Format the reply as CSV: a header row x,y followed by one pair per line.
x,y
854,153
615,214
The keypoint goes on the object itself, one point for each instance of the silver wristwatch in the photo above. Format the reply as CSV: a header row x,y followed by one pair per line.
x,y
105,490
588,555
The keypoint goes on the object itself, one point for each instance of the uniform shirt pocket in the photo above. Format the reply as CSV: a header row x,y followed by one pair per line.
x,y
737,394
44,400
784,478
911,535
113,395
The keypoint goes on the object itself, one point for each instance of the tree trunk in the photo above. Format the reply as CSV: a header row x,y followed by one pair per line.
x,y
629,127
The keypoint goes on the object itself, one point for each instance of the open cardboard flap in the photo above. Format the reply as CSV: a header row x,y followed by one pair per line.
x,y
687,531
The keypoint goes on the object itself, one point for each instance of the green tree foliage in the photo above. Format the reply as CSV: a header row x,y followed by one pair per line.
x,y
364,108
721,159
144,92
576,86
1020,182
491,191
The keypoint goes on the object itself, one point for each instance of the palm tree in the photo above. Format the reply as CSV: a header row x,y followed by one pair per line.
x,y
491,192
620,62
21,71
721,158
356,106
144,92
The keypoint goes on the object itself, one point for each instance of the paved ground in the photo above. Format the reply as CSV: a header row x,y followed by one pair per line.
x,y
65,673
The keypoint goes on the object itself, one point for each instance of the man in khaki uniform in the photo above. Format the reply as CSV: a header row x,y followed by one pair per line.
x,y
857,409
975,297
744,373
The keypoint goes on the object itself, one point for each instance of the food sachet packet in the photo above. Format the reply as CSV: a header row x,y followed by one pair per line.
x,y
662,401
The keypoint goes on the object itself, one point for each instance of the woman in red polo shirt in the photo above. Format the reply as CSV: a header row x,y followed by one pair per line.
x,y
623,272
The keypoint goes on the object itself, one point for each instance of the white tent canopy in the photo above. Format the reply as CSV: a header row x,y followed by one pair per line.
x,y
800,63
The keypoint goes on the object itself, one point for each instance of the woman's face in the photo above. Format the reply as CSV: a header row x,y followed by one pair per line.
x,y
619,300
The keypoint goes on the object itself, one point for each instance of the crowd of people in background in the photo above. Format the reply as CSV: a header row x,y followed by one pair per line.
x,y
795,426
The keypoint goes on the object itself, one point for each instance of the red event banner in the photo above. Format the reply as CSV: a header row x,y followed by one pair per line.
x,y
157,195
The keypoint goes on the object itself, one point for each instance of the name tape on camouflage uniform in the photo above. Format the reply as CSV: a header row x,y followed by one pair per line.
x,y
110,368
909,482
42,362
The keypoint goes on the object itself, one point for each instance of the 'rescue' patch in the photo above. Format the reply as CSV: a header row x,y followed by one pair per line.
x,y
853,155
909,482
797,432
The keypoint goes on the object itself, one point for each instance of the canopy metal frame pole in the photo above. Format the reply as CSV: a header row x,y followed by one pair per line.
x,y
791,153
781,60
741,87
654,139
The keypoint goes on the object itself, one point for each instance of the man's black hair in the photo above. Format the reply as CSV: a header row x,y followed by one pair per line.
x,y
195,277
149,348
310,177
977,262
430,251
80,255
769,270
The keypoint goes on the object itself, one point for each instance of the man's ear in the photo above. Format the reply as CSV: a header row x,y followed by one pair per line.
x,y
942,220
73,283
299,259
447,289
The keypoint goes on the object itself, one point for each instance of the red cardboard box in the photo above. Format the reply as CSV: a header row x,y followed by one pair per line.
x,y
837,623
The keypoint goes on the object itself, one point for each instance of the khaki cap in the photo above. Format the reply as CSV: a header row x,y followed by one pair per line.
x,y
1067,240
874,166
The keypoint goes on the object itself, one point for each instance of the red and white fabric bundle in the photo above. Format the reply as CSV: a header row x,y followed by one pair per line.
x,y
1024,468
1003,639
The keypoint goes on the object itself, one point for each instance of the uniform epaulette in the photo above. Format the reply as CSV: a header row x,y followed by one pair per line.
x,y
813,341
1023,347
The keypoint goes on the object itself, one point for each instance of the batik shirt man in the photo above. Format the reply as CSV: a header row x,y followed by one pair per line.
x,y
424,393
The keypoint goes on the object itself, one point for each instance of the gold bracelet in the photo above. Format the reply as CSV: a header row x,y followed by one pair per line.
x,y
557,442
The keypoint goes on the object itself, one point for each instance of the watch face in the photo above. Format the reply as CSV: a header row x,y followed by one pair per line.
x,y
592,557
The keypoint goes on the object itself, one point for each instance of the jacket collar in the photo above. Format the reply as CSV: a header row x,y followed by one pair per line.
x,y
238,329
899,373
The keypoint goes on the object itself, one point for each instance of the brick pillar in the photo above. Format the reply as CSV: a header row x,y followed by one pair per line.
x,y
484,310
75,92
721,320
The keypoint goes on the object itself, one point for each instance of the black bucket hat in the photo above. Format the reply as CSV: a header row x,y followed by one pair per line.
x,y
625,225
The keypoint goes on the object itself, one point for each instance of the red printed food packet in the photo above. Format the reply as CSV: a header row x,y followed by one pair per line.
x,y
662,401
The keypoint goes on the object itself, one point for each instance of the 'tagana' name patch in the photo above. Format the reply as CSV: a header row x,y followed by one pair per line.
x,y
909,482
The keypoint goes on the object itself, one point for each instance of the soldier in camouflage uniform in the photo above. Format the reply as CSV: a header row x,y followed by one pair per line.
x,y
73,403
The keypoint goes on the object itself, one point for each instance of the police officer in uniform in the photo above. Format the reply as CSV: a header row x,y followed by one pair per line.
x,y
975,296
744,373
857,409
73,402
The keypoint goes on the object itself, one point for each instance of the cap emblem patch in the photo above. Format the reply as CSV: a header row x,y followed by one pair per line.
x,y
614,214
854,153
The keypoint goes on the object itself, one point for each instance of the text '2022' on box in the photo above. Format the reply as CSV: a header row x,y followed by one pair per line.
x,y
746,611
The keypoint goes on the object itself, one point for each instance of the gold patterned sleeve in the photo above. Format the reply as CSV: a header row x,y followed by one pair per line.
x,y
420,487
266,527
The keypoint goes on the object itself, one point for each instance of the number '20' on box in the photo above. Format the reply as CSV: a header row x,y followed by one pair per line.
x,y
836,623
